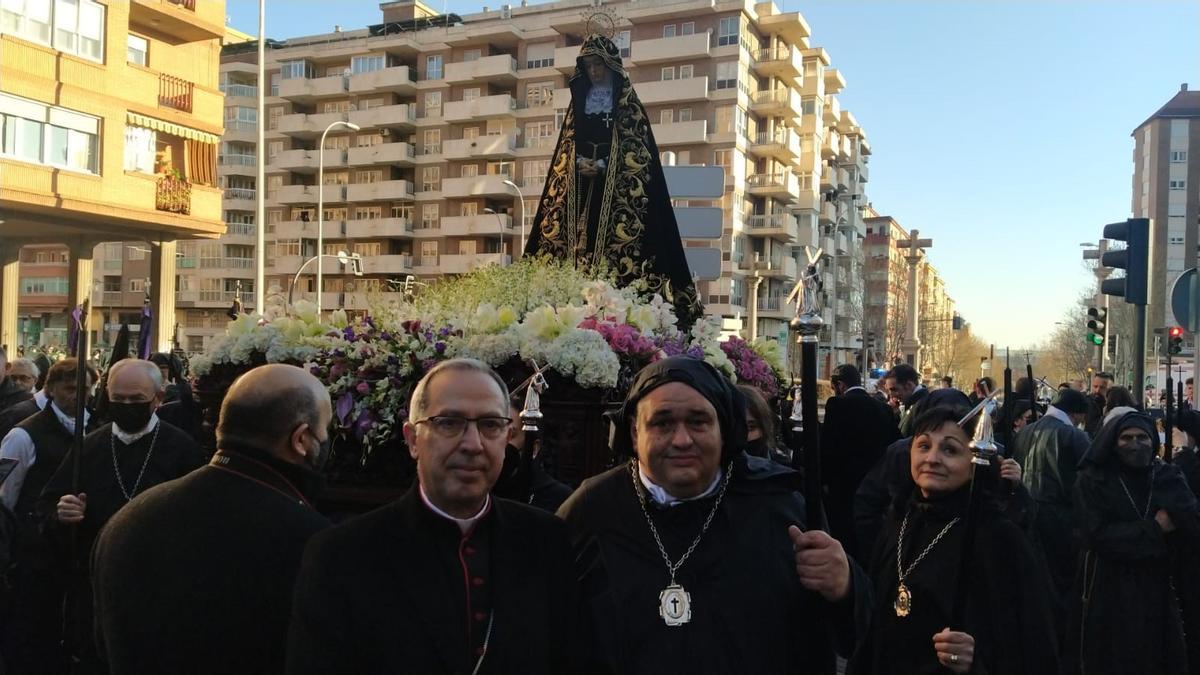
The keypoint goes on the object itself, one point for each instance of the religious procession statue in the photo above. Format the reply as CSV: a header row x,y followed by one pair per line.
x,y
605,203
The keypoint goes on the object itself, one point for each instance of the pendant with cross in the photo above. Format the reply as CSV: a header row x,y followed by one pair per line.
x,y
607,117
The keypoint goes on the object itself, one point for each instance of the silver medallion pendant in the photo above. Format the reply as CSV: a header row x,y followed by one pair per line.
x,y
675,605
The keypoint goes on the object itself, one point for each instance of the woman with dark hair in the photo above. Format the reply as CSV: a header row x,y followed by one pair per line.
x,y
762,439
1118,397
1007,627
1134,513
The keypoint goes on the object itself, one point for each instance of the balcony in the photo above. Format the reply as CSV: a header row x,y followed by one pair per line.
x,y
184,20
565,58
398,79
382,154
829,145
290,264
776,103
240,231
239,91
476,186
173,195
174,92
237,165
499,68
662,50
305,125
387,264
780,145
781,267
834,82
790,26
673,91
832,111
297,229
240,131
307,90
775,225
464,262
480,147
562,98
375,228
400,116
680,133
784,62
482,224
385,190
307,194
780,185
308,161
828,214
226,263
500,105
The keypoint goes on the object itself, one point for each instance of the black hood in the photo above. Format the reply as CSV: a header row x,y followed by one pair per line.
x,y
1103,451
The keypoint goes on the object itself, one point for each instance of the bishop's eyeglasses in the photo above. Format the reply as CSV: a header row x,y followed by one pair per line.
x,y
454,426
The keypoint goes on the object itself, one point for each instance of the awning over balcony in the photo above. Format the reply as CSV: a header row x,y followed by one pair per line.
x,y
171,128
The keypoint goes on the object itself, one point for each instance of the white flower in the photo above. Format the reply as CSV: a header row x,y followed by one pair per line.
x,y
338,318
585,356
305,311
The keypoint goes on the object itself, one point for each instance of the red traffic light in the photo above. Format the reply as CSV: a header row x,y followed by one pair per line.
x,y
1175,331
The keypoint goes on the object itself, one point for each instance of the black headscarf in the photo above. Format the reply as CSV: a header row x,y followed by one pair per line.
x,y
699,375
1103,451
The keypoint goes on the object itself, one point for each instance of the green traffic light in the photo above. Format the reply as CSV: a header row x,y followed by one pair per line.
x,y
1095,338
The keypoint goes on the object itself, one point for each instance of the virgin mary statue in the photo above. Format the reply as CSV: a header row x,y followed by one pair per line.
x,y
605,203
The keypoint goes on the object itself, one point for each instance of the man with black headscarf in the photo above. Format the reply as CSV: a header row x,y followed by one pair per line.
x,y
1134,513
692,557
605,202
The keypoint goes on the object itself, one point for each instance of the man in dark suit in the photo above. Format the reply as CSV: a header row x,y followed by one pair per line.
x,y
448,579
196,575
904,385
856,431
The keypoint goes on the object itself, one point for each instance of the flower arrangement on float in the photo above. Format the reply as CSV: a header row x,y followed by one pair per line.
x,y
588,331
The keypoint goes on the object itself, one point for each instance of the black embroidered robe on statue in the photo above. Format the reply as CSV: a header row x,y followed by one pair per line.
x,y
621,218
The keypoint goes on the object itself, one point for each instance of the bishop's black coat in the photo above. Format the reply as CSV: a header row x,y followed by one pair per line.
x,y
388,592
1008,608
749,612
196,575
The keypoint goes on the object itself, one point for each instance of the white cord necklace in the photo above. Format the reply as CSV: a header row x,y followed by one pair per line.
x,y
112,442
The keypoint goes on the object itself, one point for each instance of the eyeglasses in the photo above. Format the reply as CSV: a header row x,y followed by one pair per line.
x,y
454,426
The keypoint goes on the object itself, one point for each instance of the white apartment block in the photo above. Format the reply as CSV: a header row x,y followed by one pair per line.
x,y
457,124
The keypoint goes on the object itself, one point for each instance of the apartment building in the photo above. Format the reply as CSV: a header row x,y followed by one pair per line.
x,y
886,298
1166,189
111,119
457,118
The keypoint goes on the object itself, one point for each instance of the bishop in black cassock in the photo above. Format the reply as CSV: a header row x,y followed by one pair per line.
x,y
116,465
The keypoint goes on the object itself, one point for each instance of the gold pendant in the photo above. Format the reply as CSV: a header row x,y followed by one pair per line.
x,y
675,605
903,604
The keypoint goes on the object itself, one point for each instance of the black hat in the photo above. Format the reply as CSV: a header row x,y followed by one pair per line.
x,y
1071,402
699,375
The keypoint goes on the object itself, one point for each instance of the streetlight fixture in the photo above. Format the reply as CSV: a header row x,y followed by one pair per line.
x,y
520,196
321,201
499,220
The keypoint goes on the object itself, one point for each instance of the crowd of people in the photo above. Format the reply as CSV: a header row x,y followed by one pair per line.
x,y
693,554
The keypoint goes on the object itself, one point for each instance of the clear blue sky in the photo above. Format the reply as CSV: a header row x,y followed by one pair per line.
x,y
999,129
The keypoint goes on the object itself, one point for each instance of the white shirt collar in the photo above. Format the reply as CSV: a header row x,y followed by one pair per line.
x,y
66,420
464,524
1059,415
41,399
130,439
850,389
661,496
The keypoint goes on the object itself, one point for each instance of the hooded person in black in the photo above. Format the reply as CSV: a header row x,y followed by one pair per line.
x,y
1133,513
741,592
1007,626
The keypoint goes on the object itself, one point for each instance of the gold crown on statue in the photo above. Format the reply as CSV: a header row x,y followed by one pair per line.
x,y
599,19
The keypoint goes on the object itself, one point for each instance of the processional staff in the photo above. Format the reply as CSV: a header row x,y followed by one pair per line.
x,y
807,325
984,460
531,419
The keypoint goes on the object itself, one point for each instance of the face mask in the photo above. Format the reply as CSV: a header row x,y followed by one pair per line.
x,y
757,447
1135,455
131,417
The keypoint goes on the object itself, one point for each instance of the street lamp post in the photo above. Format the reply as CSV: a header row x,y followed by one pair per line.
x,y
321,201
521,197
501,223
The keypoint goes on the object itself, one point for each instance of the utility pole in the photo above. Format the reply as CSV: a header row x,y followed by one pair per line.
x,y
911,345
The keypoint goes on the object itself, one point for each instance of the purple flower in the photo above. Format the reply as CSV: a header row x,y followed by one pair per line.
x,y
344,405
363,388
439,347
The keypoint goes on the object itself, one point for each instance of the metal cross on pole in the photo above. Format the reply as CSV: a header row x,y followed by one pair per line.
x,y
911,344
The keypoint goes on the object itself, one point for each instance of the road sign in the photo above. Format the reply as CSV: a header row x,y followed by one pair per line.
x,y
1185,295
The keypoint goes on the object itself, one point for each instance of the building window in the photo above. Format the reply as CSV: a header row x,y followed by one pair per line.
x,y
69,141
78,24
368,176
685,72
1179,155
137,50
622,43
669,30
431,178
1177,184
688,28
469,171
429,218
275,77
724,159
727,31
274,148
294,70
540,55
367,64
433,104
809,106
140,147
433,67
724,119
368,212
666,116
685,114
668,73
727,75
433,142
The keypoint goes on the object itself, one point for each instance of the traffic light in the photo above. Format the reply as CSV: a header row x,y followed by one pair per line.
x,y
1134,259
1175,340
958,322
1097,316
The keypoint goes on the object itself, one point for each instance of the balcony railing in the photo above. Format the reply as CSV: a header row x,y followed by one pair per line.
x,y
770,304
240,125
238,160
226,262
240,193
174,92
242,229
186,4
247,90
173,195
